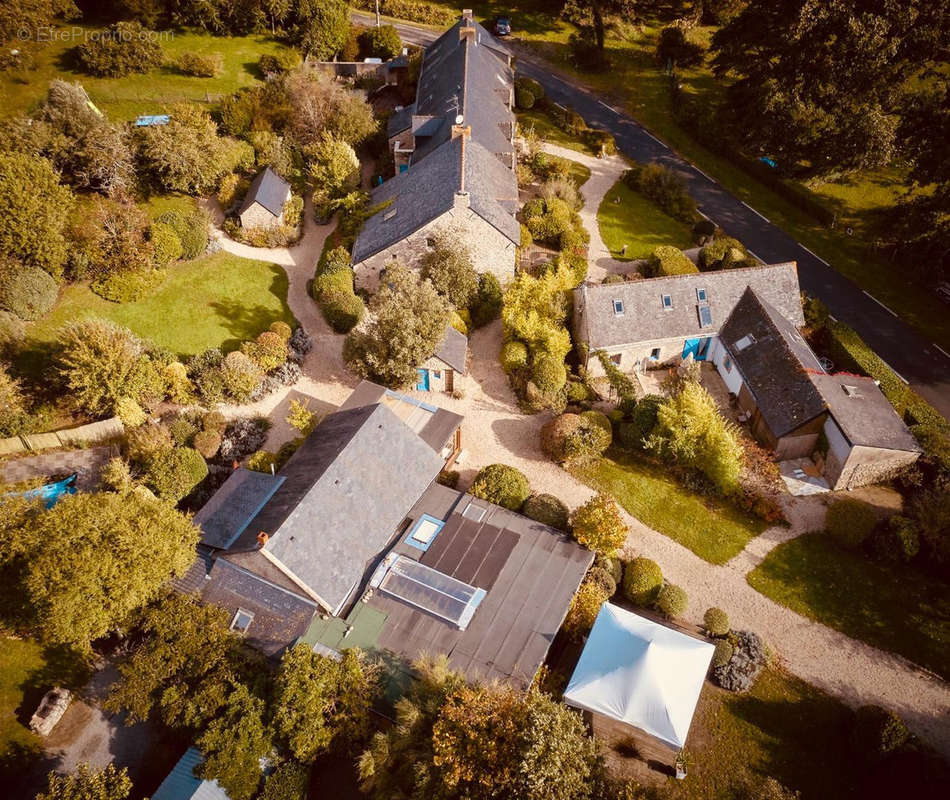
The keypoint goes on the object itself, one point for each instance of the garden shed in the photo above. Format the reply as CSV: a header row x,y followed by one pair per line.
x,y
263,205
642,676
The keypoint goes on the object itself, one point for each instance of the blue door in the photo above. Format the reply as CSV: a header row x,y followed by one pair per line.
x,y
698,348
423,383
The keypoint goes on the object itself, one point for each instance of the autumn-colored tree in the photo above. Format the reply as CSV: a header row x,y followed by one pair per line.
x,y
86,783
599,526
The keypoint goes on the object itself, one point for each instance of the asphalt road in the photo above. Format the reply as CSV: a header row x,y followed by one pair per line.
x,y
916,360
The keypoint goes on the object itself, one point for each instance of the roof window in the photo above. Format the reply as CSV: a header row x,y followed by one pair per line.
x,y
667,300
705,317
242,621
745,341
851,391
701,296
618,308
423,533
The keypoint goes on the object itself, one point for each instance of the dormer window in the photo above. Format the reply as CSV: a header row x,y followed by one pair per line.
x,y
667,300
618,308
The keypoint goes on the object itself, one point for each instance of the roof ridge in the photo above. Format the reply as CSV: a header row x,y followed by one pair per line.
x,y
694,275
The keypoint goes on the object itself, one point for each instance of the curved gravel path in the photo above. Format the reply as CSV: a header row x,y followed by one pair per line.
x,y
604,173
495,430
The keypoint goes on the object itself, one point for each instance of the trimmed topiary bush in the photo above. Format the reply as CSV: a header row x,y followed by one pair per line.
x,y
876,733
524,99
671,601
601,420
166,246
26,291
173,473
282,329
642,580
503,485
268,350
722,655
669,260
716,622
548,373
850,522
130,412
342,310
547,509
514,356
192,231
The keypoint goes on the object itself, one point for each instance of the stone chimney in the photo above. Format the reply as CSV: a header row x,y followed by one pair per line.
x,y
467,28
262,538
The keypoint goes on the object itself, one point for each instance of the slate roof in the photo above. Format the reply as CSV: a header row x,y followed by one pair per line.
x,y
774,362
281,615
433,424
181,783
644,318
230,510
268,189
867,418
347,486
458,77
400,120
453,349
530,572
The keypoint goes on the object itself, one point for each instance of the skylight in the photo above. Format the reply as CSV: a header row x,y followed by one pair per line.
x,y
851,391
667,301
705,317
424,531
745,341
429,590
701,295
242,621
618,308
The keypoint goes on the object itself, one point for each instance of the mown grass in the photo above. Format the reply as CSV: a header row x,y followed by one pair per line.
x,y
712,529
214,301
638,224
892,607
149,93
159,204
544,127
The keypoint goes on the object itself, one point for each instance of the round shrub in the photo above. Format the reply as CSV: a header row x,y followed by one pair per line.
x,y
546,509
716,622
239,376
577,392
598,525
342,310
214,421
192,231
182,429
535,89
166,246
877,732
142,444
130,412
555,433
850,522
896,541
533,209
548,373
722,654
282,329
524,99
642,580
671,601
669,260
268,350
172,474
503,485
207,443
514,356
602,578
599,419
26,291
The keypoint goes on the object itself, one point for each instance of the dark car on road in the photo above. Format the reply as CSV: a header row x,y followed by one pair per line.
x,y
502,26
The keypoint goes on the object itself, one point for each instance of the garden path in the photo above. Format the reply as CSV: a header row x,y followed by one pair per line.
x,y
604,173
495,430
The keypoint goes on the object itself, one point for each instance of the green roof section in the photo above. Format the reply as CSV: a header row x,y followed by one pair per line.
x,y
364,624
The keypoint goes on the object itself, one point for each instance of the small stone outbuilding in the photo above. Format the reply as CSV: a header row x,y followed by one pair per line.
x,y
446,369
263,205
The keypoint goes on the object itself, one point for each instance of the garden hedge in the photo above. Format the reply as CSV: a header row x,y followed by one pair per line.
x,y
850,522
548,510
503,485
642,580
669,260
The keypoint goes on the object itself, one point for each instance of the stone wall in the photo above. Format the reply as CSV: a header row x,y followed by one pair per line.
x,y
865,466
632,355
259,217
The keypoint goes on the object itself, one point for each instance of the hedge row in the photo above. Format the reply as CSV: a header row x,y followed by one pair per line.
x,y
412,10
332,288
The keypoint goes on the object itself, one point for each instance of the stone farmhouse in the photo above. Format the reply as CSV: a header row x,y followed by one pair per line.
x,y
263,205
454,157
746,323
353,543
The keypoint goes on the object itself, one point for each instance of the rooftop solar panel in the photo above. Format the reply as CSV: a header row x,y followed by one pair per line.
x,y
429,590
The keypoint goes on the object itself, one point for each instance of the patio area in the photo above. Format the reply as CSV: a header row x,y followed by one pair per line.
x,y
802,477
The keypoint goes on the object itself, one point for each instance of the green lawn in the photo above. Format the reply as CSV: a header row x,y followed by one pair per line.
x,y
892,607
159,204
637,223
709,527
126,98
27,670
545,128
215,301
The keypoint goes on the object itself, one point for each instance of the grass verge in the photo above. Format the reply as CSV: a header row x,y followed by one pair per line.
x,y
889,606
638,224
214,301
712,529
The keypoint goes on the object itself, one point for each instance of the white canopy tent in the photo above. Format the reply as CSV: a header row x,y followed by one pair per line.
x,y
640,673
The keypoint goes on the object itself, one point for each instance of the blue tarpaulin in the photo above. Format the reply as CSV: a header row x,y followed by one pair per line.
x,y
766,160
152,119
51,492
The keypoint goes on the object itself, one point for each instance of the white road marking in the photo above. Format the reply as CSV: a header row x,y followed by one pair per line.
x,y
879,303
653,137
814,254
755,212
942,350
895,372
609,108
705,216
832,317
703,174
754,256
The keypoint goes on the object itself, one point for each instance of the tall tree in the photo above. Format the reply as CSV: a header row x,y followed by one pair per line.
x,y
319,27
818,81
600,13
88,784
92,559
408,322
